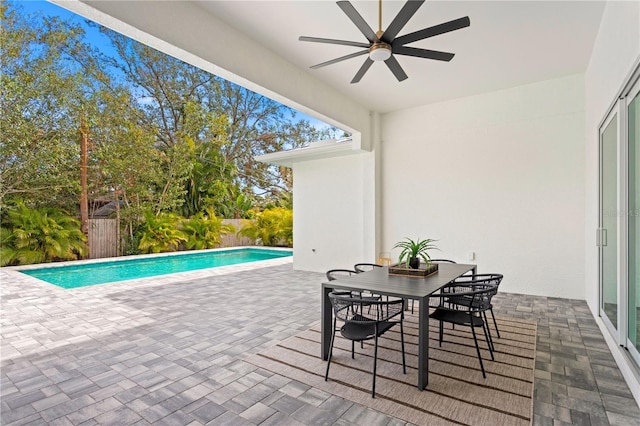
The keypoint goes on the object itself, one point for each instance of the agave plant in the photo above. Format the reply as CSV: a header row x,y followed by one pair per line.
x,y
413,251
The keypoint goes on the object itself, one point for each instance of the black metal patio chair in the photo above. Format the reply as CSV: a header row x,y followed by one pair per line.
x,y
489,279
334,274
358,325
364,267
435,261
465,305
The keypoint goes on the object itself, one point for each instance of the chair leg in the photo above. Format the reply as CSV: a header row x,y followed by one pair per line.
x,y
404,364
488,332
475,339
441,332
375,359
487,336
333,336
495,324
353,349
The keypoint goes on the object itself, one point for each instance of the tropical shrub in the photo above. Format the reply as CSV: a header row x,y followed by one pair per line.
x,y
40,235
203,231
160,233
272,227
7,250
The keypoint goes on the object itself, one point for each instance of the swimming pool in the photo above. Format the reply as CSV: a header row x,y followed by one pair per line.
x,y
81,275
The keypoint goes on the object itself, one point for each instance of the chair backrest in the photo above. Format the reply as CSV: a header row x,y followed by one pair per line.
x,y
345,308
475,297
335,274
491,279
443,261
364,267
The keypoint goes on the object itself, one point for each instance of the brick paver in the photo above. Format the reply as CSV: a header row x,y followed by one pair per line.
x,y
171,350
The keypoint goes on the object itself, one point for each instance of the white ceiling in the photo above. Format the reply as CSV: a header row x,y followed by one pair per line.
x,y
509,43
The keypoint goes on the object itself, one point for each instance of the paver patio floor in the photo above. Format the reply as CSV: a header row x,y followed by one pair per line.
x,y
171,350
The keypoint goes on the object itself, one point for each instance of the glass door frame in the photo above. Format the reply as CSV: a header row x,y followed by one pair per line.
x,y
618,111
619,332
631,94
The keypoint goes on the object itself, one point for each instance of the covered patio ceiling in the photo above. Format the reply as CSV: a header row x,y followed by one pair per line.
x,y
509,43
255,44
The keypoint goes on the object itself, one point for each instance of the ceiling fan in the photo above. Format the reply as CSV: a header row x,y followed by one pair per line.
x,y
383,45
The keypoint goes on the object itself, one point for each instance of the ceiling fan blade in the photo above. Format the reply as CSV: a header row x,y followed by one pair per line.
x,y
401,19
340,59
333,41
396,69
446,27
423,53
357,19
363,69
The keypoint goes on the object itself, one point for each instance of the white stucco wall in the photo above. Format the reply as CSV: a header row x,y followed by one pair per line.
x,y
615,51
332,204
500,174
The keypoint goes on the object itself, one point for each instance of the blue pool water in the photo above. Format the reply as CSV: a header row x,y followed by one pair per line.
x,y
75,276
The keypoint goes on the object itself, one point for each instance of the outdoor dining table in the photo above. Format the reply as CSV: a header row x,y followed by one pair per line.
x,y
380,281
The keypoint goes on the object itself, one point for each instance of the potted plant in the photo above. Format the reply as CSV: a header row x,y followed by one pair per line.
x,y
413,251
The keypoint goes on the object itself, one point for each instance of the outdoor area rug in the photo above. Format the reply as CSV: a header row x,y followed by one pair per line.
x,y
457,393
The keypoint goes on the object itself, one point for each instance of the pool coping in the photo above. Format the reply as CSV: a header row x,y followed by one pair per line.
x,y
138,256
14,273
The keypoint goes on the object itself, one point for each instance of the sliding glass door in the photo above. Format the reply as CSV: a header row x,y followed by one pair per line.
x,y
609,222
633,226
619,226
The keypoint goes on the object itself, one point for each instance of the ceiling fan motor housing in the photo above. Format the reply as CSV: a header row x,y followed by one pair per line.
x,y
379,51
383,46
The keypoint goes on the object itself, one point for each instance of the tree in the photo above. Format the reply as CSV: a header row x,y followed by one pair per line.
x,y
165,137
210,183
172,105
258,125
225,124
36,157
46,91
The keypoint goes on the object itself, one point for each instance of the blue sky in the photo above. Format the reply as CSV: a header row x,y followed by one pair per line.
x,y
100,41
93,35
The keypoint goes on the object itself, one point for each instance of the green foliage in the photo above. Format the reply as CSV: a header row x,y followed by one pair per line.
x,y
203,231
160,233
164,136
170,232
239,207
125,161
44,92
273,227
40,235
131,243
211,180
418,248
7,248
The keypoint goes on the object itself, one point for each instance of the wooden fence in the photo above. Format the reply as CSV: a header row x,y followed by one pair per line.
x,y
233,240
103,237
